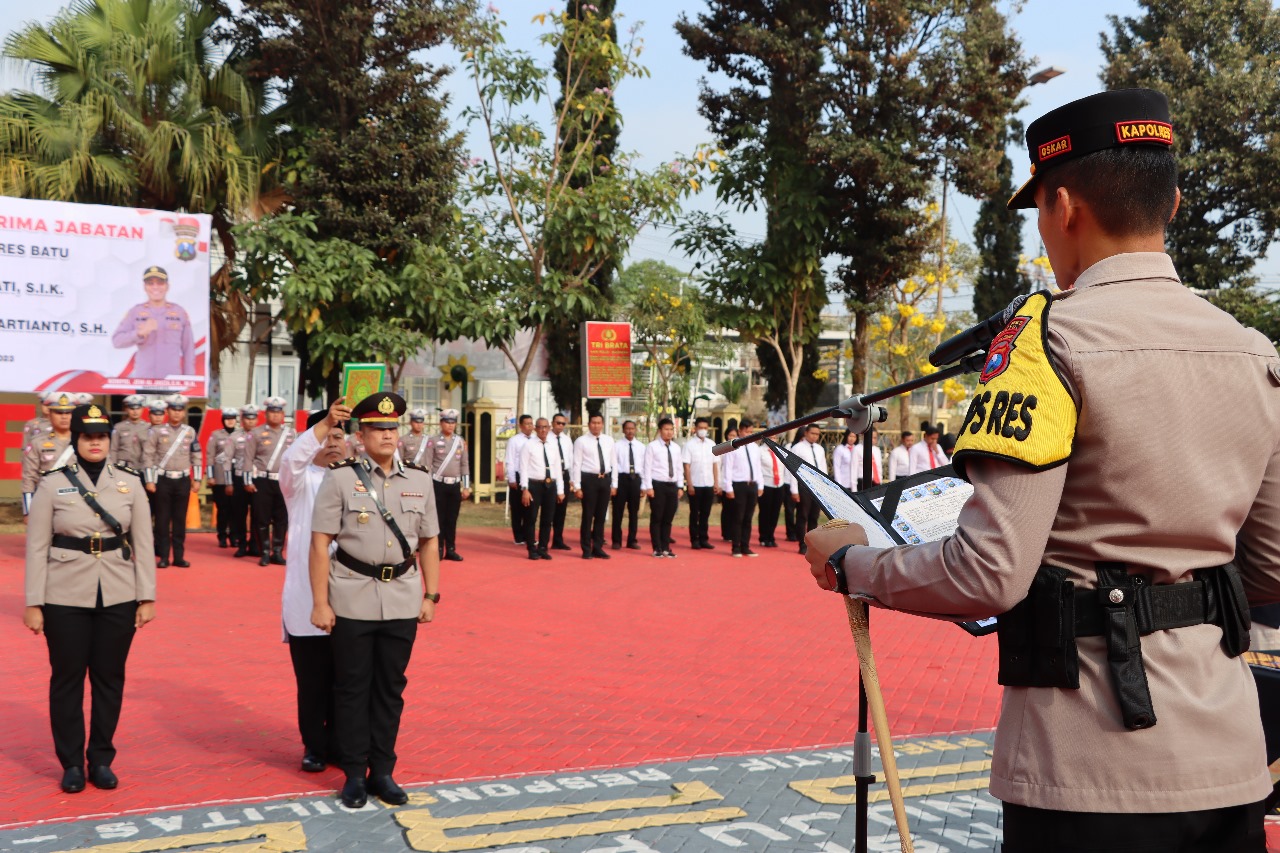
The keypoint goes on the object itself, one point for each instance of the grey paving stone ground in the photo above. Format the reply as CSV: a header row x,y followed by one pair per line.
x,y
797,801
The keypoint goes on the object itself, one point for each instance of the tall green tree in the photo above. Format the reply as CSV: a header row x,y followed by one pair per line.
x,y
562,340
537,196
998,237
1218,61
668,321
766,120
136,107
370,159
914,89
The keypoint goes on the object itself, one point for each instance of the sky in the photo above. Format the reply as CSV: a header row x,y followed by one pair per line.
x,y
660,113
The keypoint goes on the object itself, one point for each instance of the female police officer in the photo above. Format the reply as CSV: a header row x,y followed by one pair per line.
x,y
90,584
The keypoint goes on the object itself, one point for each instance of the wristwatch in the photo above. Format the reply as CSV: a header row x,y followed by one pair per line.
x,y
836,578
433,597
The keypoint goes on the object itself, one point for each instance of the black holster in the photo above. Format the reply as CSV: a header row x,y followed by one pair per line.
x,y
1038,638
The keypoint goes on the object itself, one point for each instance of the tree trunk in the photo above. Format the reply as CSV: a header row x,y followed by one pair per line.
x,y
861,374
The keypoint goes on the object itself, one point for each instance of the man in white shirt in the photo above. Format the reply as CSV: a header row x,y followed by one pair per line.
x,y
740,480
302,468
928,454
664,485
595,480
876,459
900,456
511,466
809,448
629,463
701,474
564,445
777,490
541,488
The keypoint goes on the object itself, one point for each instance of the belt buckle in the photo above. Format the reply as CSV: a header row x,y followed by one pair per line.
x,y
548,480
95,539
388,574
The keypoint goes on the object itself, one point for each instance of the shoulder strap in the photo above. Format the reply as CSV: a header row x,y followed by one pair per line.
x,y
284,435
422,445
382,510
92,501
453,448
177,439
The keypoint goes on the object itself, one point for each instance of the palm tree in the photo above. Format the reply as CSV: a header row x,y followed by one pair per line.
x,y
135,107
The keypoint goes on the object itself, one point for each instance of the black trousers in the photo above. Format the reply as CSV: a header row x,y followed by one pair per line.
x,y
743,507
557,526
312,659
770,507
789,519
662,511
726,518
241,531
627,498
700,502
1237,829
515,503
595,508
448,505
170,504
96,640
369,663
222,509
539,514
810,512
270,515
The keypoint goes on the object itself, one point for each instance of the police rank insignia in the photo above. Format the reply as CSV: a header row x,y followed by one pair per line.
x,y
1022,411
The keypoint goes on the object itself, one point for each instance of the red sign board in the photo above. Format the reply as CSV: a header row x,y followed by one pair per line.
x,y
606,359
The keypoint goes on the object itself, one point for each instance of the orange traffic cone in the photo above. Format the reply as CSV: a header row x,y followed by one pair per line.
x,y
193,513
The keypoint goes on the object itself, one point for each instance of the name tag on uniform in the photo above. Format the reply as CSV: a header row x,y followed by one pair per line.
x,y
68,490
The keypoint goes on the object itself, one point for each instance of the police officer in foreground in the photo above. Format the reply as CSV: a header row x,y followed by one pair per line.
x,y
220,474
1135,726
371,594
446,459
129,436
260,463
173,470
90,584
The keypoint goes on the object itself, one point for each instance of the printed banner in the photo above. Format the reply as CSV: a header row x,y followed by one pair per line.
x,y
606,359
109,300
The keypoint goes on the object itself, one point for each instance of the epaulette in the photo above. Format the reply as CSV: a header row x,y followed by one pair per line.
x,y
343,463
120,466
415,466
70,468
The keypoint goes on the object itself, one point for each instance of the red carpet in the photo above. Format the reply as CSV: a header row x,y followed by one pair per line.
x,y
530,667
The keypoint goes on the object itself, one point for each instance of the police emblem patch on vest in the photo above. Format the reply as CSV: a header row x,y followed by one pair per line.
x,y
1022,410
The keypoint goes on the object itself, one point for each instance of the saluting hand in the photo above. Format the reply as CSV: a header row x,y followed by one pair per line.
x,y
146,612
33,618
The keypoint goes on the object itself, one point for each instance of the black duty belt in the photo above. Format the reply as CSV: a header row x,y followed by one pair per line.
x,y
94,544
1156,607
380,573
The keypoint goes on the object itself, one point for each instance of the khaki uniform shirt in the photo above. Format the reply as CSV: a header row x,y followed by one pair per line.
x,y
213,452
456,468
169,350
340,505
186,457
1141,353
128,440
70,577
260,457
45,453
233,454
410,444
35,427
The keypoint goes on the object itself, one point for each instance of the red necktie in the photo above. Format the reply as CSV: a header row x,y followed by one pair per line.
x,y
875,470
777,480
933,460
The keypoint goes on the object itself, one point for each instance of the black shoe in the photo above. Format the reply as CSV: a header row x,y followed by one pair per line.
x,y
769,544
586,555
277,557
707,546
354,795
241,551
633,546
265,559
73,780
162,564
791,537
182,564
534,555
804,549
600,553
254,551
386,789
453,556
749,553
697,546
102,777
312,763
222,541
659,554
543,555
736,554
616,546
669,553
560,546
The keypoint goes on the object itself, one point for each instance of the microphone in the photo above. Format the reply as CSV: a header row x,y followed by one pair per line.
x,y
975,337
